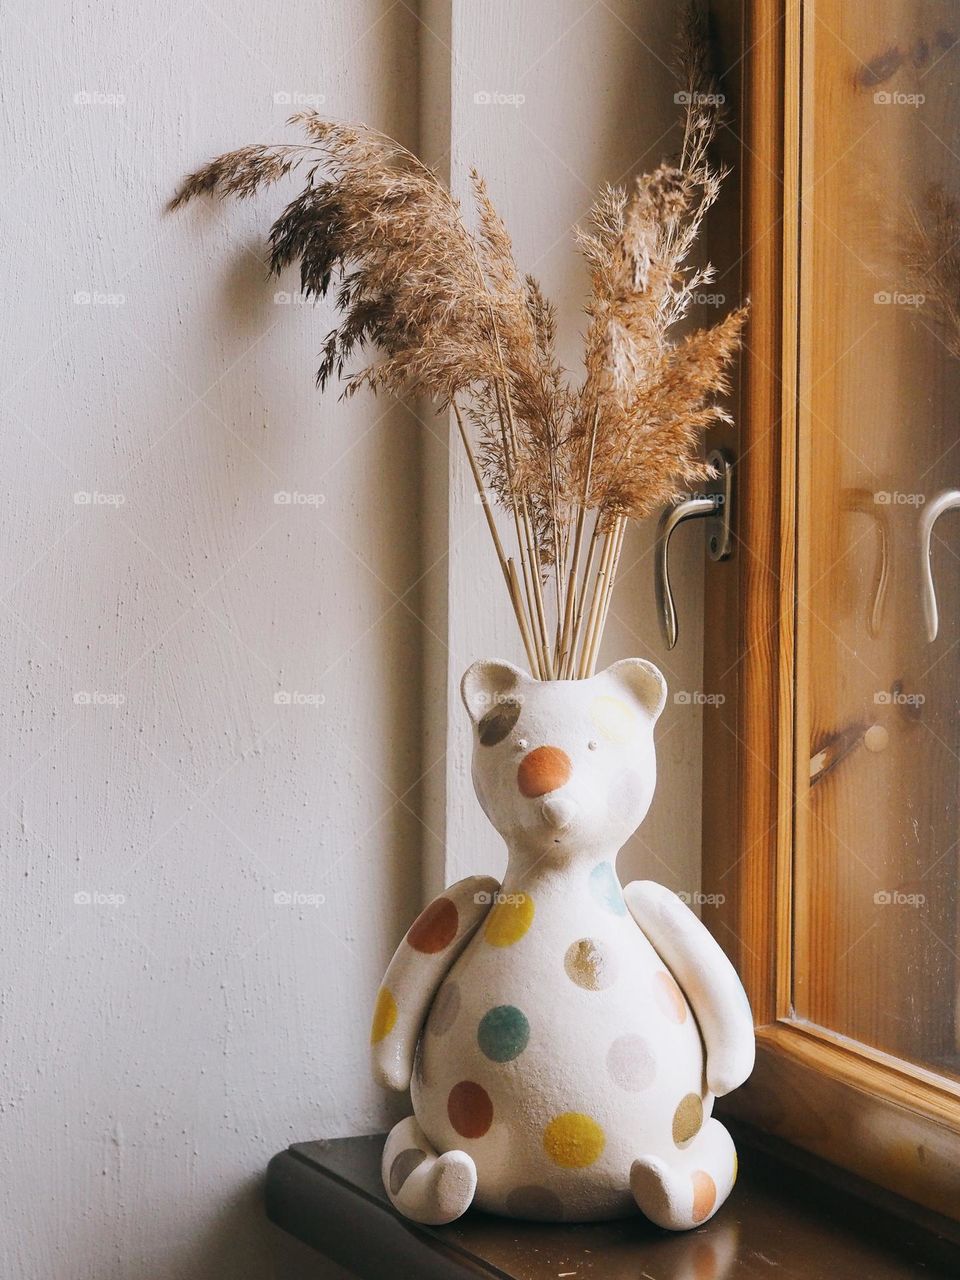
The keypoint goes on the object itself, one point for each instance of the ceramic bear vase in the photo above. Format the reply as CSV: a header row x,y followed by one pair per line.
x,y
563,1039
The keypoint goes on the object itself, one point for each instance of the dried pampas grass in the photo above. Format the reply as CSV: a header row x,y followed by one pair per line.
x,y
447,314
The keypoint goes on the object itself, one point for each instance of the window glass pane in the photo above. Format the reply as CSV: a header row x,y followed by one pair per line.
x,y
878,820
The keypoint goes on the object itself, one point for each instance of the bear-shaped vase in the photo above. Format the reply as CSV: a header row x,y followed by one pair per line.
x,y
563,1039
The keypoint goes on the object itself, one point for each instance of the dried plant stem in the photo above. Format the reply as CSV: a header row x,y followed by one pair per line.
x,y
620,529
529,547
581,601
513,583
523,546
537,570
593,617
507,566
571,589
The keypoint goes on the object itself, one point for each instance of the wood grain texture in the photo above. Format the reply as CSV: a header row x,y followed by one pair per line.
x,y
886,1119
742,791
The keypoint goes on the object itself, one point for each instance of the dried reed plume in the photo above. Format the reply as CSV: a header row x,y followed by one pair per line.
x,y
932,250
446,313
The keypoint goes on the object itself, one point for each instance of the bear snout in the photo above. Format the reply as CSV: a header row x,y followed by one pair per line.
x,y
543,770
559,812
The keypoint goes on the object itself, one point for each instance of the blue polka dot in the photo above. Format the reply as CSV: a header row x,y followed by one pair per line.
x,y
503,1033
605,887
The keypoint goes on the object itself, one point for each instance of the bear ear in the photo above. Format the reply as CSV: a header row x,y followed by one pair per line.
x,y
643,681
487,685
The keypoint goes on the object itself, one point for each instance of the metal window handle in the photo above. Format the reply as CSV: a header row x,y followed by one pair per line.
x,y
714,506
946,501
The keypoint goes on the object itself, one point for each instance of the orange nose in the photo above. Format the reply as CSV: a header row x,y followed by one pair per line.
x,y
543,770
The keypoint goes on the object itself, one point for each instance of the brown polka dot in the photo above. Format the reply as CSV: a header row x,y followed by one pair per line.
x,y
498,722
403,1165
704,1194
536,1203
687,1119
630,1063
434,928
443,1012
542,771
590,964
669,997
470,1109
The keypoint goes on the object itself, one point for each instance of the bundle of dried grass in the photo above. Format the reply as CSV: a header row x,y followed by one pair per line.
x,y
448,315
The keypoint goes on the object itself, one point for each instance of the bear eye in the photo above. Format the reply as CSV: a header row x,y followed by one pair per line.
x,y
591,746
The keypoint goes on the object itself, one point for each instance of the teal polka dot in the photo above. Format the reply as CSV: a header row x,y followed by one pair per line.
x,y
605,887
503,1033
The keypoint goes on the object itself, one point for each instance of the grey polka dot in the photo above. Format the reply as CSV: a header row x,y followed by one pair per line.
x,y
403,1165
498,722
536,1203
443,1013
631,1064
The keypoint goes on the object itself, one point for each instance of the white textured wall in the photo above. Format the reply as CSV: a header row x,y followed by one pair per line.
x,y
160,1041
156,1052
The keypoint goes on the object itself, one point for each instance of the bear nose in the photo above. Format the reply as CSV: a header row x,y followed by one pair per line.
x,y
559,812
544,770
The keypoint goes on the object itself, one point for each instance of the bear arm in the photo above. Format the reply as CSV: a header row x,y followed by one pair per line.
x,y
419,965
707,978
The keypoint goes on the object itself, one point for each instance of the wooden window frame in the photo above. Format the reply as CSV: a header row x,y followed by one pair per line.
x,y
890,1122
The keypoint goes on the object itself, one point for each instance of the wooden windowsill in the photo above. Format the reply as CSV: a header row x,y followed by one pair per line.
x,y
781,1221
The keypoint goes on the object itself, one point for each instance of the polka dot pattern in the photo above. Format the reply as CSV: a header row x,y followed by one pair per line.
x,y
704,1195
470,1109
402,1167
543,770
631,1064
535,1203
509,920
573,1140
443,1012
498,722
614,720
669,997
384,1016
687,1119
503,1033
605,888
434,928
591,964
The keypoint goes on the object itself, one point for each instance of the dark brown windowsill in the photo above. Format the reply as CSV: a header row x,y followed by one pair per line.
x,y
786,1220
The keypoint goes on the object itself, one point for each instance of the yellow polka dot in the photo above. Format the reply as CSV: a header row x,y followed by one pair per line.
x,y
509,920
573,1140
384,1016
614,720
